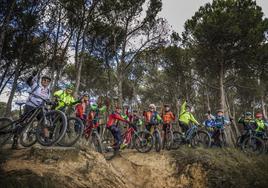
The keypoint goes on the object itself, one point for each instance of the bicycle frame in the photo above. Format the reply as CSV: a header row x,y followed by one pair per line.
x,y
190,132
24,120
127,135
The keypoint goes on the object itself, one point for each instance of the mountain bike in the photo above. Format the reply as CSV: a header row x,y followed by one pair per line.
x,y
157,137
75,128
193,136
50,127
143,142
168,137
91,135
219,136
253,144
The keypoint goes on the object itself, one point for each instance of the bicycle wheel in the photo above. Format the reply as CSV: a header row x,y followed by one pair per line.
x,y
96,142
28,135
54,129
177,140
143,141
169,139
75,128
238,143
253,145
157,141
5,125
223,140
200,139
109,151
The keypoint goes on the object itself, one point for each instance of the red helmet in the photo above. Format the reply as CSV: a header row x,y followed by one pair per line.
x,y
259,115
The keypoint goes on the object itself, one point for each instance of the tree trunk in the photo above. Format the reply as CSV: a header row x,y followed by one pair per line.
x,y
13,90
79,68
222,94
263,107
208,100
4,26
5,83
120,89
4,76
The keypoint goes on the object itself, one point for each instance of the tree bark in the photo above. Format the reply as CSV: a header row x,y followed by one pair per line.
x,y
4,26
13,90
222,94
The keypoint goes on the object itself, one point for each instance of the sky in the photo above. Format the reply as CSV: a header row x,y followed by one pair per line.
x,y
178,11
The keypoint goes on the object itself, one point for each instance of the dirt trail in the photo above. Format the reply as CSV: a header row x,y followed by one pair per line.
x,y
186,167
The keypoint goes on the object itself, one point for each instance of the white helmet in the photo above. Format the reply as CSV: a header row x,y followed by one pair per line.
x,y
152,106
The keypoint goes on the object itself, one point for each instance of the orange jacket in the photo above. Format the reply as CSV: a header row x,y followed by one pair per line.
x,y
168,117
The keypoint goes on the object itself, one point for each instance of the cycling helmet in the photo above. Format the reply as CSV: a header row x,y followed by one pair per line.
x,y
94,106
70,86
259,115
219,110
85,94
46,77
248,114
152,106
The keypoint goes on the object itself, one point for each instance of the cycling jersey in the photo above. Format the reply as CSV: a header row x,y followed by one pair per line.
x,y
168,117
248,123
63,99
114,118
186,117
37,90
81,110
260,125
152,117
93,115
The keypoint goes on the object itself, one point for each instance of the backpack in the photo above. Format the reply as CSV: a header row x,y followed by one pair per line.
x,y
219,121
153,119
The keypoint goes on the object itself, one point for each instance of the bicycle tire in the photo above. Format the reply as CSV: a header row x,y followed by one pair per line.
x,y
253,140
157,141
169,139
141,141
177,140
108,149
96,142
30,132
72,135
5,124
238,143
205,142
223,140
55,130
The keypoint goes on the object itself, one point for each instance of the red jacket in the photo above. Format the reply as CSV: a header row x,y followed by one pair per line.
x,y
114,118
80,111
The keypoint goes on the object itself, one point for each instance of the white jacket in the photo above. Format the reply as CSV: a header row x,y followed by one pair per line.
x,y
38,90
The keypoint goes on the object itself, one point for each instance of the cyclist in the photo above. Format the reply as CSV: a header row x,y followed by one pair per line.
x,y
220,122
93,115
64,98
112,125
167,118
186,117
81,109
260,124
248,123
39,88
136,120
209,123
151,117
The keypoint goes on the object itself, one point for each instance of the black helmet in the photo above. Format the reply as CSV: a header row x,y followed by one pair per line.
x,y
248,114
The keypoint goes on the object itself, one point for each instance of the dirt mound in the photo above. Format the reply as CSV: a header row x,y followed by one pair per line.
x,y
186,167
